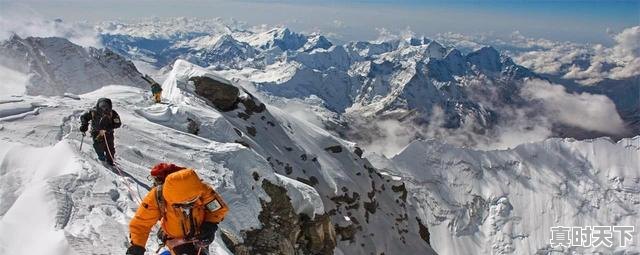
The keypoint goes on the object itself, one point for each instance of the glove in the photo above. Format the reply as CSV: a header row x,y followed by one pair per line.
x,y
102,133
207,233
135,250
84,128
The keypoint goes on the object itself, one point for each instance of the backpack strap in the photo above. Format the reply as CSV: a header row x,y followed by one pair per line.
x,y
160,201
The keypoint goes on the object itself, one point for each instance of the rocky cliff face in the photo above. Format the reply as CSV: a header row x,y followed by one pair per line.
x,y
286,232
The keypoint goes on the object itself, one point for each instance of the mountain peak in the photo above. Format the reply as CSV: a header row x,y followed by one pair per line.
x,y
435,50
486,58
417,41
316,41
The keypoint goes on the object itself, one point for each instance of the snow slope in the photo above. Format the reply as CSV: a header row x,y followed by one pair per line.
x,y
506,201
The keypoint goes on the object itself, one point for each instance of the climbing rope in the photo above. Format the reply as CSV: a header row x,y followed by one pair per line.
x,y
120,172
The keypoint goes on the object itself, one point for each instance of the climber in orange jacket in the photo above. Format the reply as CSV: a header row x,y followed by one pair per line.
x,y
189,210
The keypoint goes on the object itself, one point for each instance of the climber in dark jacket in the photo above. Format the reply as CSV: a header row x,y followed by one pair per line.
x,y
103,121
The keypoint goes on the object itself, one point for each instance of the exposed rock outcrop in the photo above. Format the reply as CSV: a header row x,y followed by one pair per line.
x,y
221,95
285,232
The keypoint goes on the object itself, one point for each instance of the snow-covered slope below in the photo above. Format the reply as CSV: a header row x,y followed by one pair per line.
x,y
54,66
506,201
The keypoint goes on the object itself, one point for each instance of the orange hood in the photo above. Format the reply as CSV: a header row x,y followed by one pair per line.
x,y
182,186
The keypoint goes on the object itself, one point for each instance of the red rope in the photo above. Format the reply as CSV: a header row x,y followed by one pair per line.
x,y
139,199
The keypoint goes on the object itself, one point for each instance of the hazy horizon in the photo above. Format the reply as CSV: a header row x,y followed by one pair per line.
x,y
576,21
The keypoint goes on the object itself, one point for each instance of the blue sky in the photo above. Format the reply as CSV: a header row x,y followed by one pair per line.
x,y
572,20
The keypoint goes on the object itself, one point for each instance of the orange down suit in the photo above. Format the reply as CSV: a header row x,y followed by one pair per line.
x,y
179,187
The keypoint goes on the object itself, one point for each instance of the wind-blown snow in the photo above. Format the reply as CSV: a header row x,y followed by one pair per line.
x,y
28,199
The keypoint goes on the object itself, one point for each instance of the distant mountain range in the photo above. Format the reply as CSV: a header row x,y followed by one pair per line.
x,y
413,80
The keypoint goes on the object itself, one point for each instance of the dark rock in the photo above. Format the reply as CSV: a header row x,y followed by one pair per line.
x,y
358,151
423,231
311,182
245,144
370,208
219,94
288,169
193,127
252,131
285,232
252,105
402,189
319,236
334,149
243,116
346,233
256,176
346,199
233,243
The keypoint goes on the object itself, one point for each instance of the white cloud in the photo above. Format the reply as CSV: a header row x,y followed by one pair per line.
x,y
25,22
385,34
618,62
584,110
13,82
627,46
584,63
549,105
338,23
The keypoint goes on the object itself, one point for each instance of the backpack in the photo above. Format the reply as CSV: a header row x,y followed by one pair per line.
x,y
160,172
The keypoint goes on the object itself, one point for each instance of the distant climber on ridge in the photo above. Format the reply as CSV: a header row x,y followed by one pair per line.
x,y
156,89
103,121
189,211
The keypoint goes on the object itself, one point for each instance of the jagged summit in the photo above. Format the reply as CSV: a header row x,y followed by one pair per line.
x,y
486,59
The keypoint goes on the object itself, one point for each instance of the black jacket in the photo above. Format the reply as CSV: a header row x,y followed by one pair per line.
x,y
99,120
